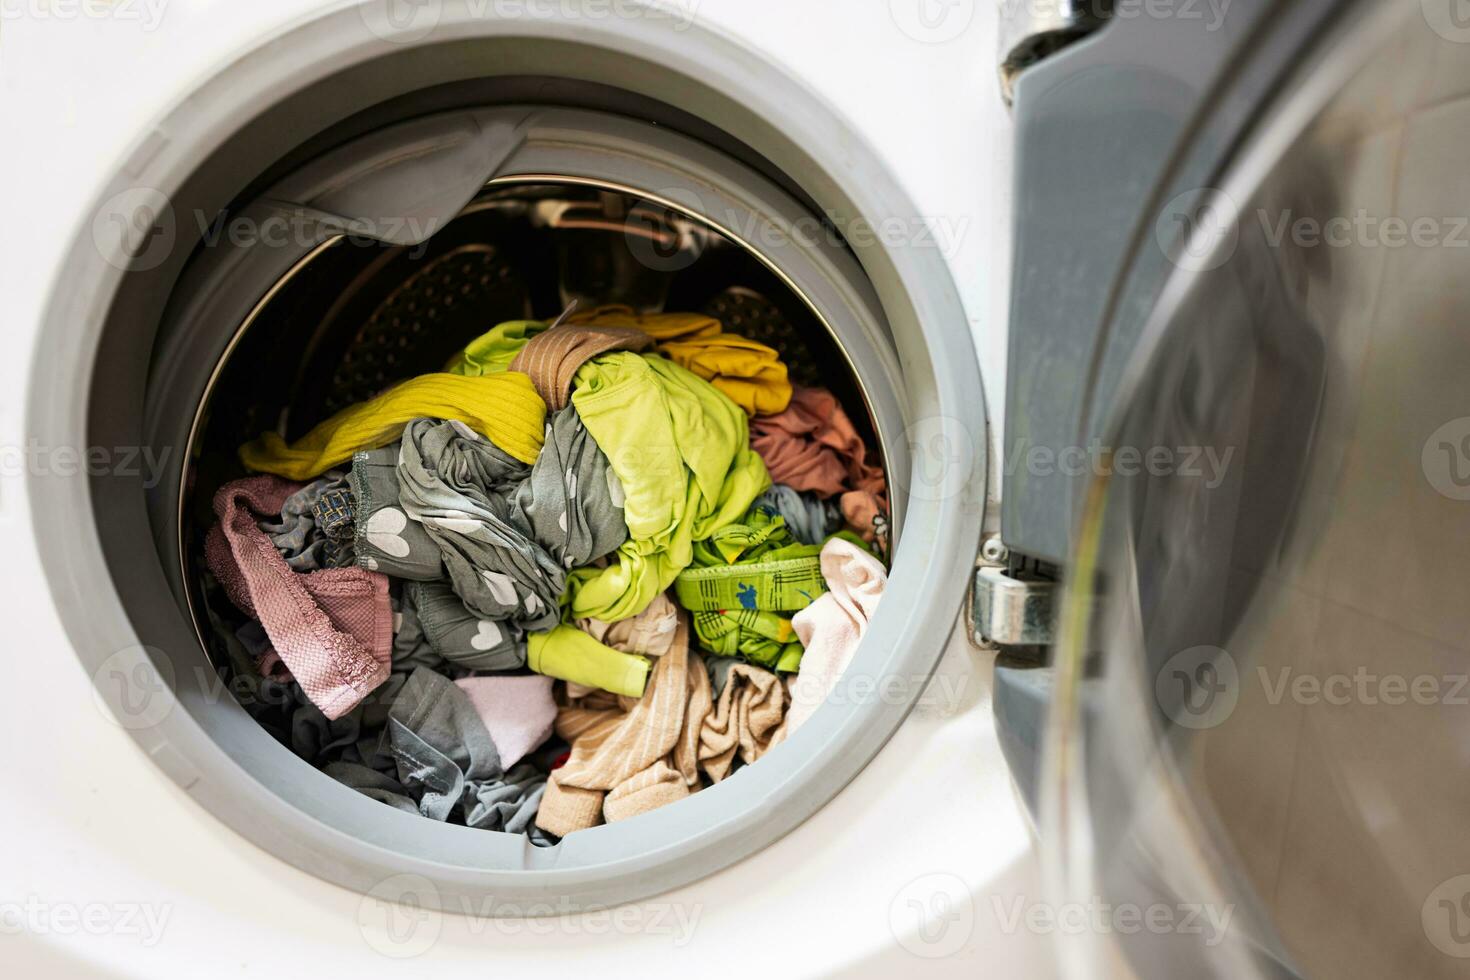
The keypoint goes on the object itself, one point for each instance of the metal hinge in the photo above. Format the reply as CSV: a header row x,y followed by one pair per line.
x,y
1011,606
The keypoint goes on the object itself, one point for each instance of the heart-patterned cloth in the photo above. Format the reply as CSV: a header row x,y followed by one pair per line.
x,y
573,503
386,540
458,485
457,634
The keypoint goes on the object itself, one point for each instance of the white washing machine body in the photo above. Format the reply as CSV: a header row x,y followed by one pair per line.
x,y
923,861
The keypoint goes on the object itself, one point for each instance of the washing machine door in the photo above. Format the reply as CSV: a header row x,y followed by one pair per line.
x,y
1258,752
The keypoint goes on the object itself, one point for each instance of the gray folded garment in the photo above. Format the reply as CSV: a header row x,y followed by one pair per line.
x,y
457,485
810,519
446,765
385,540
572,505
458,635
296,535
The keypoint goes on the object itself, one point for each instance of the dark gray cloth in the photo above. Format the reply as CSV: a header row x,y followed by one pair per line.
x,y
810,519
457,485
385,540
572,505
446,763
459,636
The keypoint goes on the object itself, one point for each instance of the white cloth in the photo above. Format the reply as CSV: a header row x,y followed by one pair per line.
x,y
831,627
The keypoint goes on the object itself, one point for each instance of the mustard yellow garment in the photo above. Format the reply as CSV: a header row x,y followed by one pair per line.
x,y
493,350
502,407
681,451
747,371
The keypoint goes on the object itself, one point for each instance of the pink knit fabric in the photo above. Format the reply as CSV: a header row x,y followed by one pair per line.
x,y
333,628
814,446
831,627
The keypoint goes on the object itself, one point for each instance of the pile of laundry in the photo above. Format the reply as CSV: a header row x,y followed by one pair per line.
x,y
585,570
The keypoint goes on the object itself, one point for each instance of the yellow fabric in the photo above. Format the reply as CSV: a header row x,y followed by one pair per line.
x,y
502,407
749,373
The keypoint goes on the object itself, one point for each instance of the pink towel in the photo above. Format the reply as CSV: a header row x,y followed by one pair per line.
x,y
814,446
831,627
517,709
333,629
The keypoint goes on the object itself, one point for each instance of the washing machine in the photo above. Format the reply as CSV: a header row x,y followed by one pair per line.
x,y
237,214
1239,304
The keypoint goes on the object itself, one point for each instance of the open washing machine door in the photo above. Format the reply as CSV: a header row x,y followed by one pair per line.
x,y
1256,747
278,197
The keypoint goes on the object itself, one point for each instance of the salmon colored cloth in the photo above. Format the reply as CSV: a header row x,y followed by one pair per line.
x,y
814,446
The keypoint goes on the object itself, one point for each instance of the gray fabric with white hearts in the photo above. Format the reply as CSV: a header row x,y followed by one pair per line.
x,y
458,485
456,634
385,539
573,502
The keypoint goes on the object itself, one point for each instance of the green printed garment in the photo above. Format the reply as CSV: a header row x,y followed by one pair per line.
x,y
753,635
752,565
